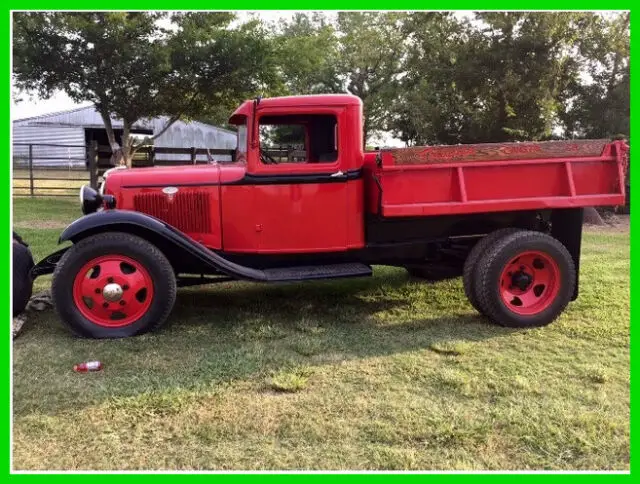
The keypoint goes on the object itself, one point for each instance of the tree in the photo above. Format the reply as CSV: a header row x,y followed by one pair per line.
x,y
528,63
140,65
597,105
429,106
494,77
307,48
371,56
360,53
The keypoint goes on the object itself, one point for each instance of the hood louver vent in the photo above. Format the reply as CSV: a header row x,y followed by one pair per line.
x,y
188,212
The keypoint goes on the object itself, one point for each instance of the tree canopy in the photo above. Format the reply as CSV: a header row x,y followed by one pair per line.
x,y
438,77
140,65
425,77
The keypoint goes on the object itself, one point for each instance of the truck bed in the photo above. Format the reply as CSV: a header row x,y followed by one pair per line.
x,y
442,180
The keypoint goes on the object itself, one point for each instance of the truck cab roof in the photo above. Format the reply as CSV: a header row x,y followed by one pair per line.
x,y
298,101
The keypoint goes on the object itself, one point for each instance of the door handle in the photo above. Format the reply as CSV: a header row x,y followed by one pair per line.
x,y
337,173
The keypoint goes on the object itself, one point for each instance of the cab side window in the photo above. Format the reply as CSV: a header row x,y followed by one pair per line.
x,y
298,139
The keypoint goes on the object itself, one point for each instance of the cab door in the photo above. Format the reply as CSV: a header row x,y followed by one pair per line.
x,y
298,182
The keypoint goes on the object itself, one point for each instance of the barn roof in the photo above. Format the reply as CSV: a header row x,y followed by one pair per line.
x,y
88,117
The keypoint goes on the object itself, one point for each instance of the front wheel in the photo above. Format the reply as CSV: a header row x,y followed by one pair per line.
x,y
113,285
526,279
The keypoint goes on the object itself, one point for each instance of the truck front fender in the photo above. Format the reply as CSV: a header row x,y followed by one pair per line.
x,y
105,220
177,246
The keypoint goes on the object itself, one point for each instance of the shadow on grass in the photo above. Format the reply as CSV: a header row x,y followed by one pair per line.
x,y
238,331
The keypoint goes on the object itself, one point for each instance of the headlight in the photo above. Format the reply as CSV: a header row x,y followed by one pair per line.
x,y
90,200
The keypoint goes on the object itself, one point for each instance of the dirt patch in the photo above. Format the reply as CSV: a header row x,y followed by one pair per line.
x,y
40,224
612,223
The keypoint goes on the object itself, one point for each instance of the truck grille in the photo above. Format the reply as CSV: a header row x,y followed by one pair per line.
x,y
188,212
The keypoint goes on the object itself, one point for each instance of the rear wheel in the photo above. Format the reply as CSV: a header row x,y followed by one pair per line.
x,y
525,279
472,261
113,285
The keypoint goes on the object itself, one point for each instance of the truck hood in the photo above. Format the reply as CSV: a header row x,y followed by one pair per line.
x,y
164,176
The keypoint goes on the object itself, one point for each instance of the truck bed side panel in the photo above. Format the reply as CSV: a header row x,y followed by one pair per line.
x,y
407,187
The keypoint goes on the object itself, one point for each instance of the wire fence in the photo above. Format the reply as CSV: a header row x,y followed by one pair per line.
x,y
47,169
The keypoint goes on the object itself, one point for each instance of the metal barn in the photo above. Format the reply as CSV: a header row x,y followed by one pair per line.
x,y
60,139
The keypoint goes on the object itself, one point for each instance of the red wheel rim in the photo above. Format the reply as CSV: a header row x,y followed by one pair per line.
x,y
529,283
113,290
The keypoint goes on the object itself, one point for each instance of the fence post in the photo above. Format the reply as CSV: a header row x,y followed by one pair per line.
x,y
93,164
193,155
31,169
152,155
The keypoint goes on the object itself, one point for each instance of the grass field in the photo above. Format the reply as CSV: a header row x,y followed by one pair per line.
x,y
377,373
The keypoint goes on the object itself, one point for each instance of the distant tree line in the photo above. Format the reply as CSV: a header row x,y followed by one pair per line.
x,y
432,77
424,77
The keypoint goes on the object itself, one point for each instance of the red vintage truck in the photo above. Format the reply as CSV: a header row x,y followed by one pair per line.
x,y
507,217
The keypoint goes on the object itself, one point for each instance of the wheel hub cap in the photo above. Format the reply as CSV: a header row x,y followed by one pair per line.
x,y
530,282
112,292
521,280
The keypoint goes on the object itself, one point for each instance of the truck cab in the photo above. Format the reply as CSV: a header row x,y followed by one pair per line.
x,y
261,203
301,200
281,201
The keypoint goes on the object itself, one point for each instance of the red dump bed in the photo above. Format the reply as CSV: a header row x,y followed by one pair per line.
x,y
439,180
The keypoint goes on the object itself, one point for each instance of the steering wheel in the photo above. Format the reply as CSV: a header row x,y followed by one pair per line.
x,y
266,159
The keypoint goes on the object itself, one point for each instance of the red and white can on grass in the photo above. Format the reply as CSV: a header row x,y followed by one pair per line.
x,y
87,366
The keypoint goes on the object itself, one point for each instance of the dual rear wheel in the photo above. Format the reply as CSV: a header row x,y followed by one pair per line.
x,y
519,278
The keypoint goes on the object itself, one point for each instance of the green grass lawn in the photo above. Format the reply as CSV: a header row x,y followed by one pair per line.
x,y
377,373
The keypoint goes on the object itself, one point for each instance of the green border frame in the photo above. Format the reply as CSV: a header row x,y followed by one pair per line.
x,y
253,5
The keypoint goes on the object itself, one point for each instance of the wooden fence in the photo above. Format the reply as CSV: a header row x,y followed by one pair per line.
x,y
40,170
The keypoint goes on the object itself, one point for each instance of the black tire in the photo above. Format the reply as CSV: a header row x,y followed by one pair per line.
x,y
432,273
472,260
489,268
22,286
116,243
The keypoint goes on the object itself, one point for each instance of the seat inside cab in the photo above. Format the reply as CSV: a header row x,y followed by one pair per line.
x,y
309,138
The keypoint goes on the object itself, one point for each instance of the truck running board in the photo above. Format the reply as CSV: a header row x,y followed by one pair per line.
x,y
182,246
329,271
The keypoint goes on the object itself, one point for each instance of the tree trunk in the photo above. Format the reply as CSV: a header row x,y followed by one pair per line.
x,y
127,145
117,157
122,155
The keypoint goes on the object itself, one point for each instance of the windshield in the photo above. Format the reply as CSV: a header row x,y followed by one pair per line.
x,y
241,147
